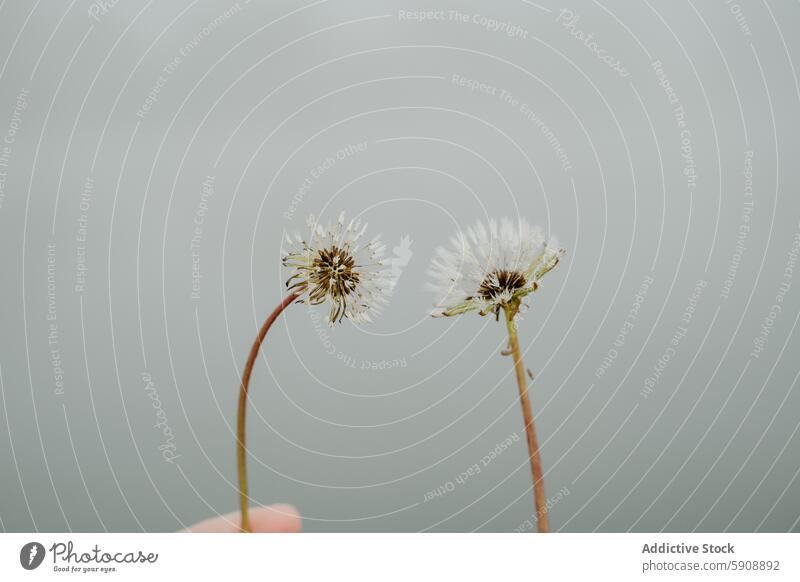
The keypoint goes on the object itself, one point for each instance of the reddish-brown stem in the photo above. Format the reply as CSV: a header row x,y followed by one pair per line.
x,y
539,499
241,449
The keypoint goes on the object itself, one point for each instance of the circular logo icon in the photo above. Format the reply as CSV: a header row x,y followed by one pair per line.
x,y
31,555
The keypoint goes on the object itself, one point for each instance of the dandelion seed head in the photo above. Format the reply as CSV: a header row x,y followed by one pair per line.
x,y
491,266
336,265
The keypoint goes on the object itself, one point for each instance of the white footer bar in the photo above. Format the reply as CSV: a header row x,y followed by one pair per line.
x,y
389,557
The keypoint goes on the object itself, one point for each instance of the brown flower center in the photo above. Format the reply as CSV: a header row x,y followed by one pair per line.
x,y
498,282
333,272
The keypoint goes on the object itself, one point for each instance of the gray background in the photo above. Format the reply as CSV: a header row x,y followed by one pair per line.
x,y
264,96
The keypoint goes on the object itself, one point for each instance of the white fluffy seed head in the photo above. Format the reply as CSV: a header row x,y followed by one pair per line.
x,y
335,264
488,267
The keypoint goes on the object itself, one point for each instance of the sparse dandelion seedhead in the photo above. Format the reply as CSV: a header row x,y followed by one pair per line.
x,y
333,265
336,265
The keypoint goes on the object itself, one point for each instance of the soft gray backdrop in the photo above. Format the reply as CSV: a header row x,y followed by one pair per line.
x,y
155,153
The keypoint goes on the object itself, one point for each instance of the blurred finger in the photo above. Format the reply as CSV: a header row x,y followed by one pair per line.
x,y
279,518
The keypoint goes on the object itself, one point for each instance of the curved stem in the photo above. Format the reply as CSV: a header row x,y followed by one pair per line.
x,y
533,446
241,449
